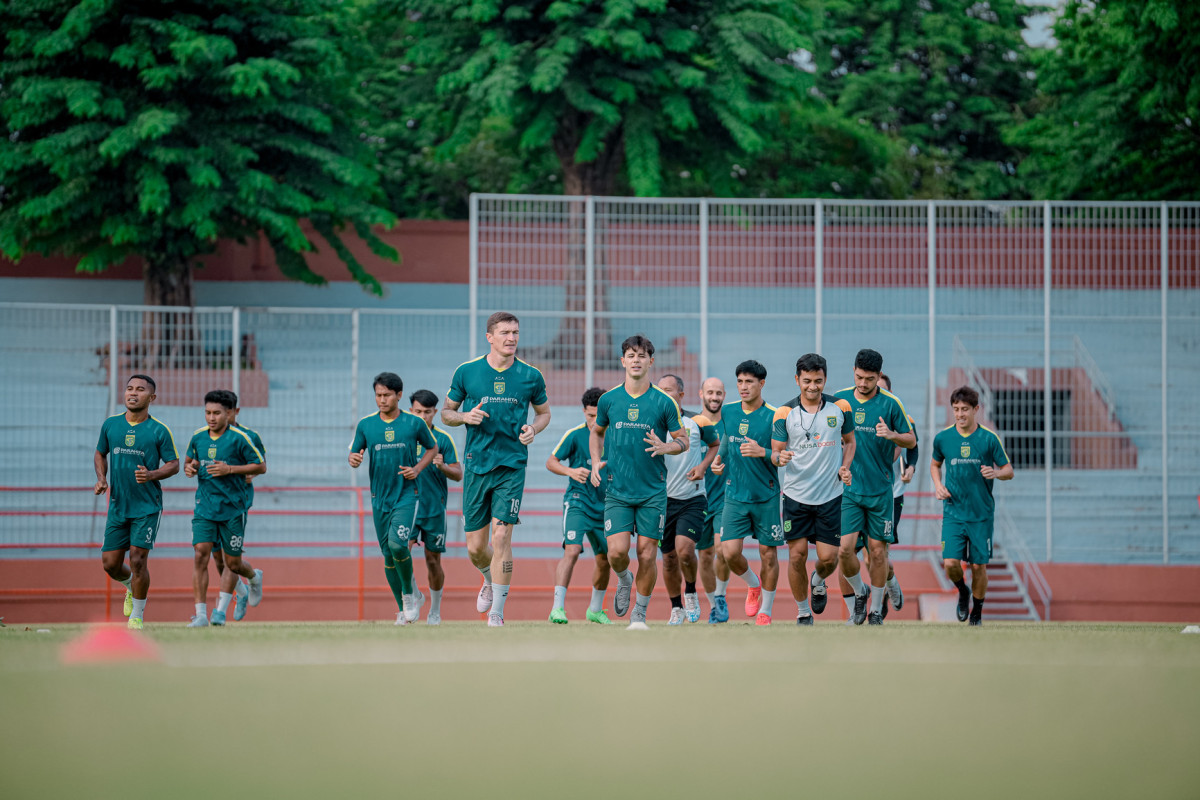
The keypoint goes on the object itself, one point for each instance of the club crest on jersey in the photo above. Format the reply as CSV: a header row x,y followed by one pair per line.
x,y
498,387
743,428
129,439
860,417
212,451
831,422
389,435
632,414
965,451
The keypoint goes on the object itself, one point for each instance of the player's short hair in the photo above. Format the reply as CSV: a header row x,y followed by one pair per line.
x,y
674,377
147,379
883,377
965,394
424,397
637,342
592,396
501,316
868,360
221,397
811,362
751,367
389,380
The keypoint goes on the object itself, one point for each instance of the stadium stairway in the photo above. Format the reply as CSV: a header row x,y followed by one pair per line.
x,y
1008,597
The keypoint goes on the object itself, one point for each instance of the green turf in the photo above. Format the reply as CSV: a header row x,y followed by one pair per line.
x,y
539,710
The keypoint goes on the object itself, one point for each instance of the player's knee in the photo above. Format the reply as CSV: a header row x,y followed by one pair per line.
x,y
200,559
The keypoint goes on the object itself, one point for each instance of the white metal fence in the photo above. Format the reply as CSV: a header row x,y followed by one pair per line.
x,y
1080,325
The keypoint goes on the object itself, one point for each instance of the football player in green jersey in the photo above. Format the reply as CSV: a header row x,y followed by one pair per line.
x,y
392,438
583,515
976,458
431,525
751,490
241,595
222,456
498,388
880,426
142,453
713,569
640,415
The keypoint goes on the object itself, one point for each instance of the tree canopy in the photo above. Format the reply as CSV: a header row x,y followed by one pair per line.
x,y
154,128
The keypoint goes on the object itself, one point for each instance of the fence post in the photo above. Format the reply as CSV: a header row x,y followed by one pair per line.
x,y
589,313
1047,386
362,556
818,273
473,288
703,289
1164,264
237,351
112,359
932,424
354,415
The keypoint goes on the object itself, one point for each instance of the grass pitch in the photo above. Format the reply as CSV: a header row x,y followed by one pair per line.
x,y
348,710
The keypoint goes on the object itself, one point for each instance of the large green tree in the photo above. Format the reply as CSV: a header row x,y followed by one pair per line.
x,y
608,85
153,128
1118,110
944,77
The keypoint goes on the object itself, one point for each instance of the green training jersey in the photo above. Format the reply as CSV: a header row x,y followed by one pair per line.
x,y
633,474
962,457
149,444
748,479
574,450
506,396
225,497
390,446
871,469
714,484
257,441
431,483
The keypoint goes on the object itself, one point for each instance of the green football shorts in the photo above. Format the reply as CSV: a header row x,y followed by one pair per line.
x,y
758,520
492,495
579,525
646,517
120,533
967,541
229,534
431,532
871,516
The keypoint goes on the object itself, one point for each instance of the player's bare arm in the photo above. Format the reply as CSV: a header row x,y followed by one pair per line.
x,y
906,440
577,474
849,445
541,419
752,449
677,446
1004,473
411,473
696,473
939,489
100,462
144,475
452,471
453,417
596,448
219,469
780,455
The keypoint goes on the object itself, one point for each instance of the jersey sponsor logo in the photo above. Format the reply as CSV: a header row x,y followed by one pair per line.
x,y
860,417
212,451
743,427
498,387
389,435
632,414
965,451
831,422
130,438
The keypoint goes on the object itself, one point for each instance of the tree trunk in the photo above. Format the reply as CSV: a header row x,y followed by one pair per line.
x,y
168,338
567,350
